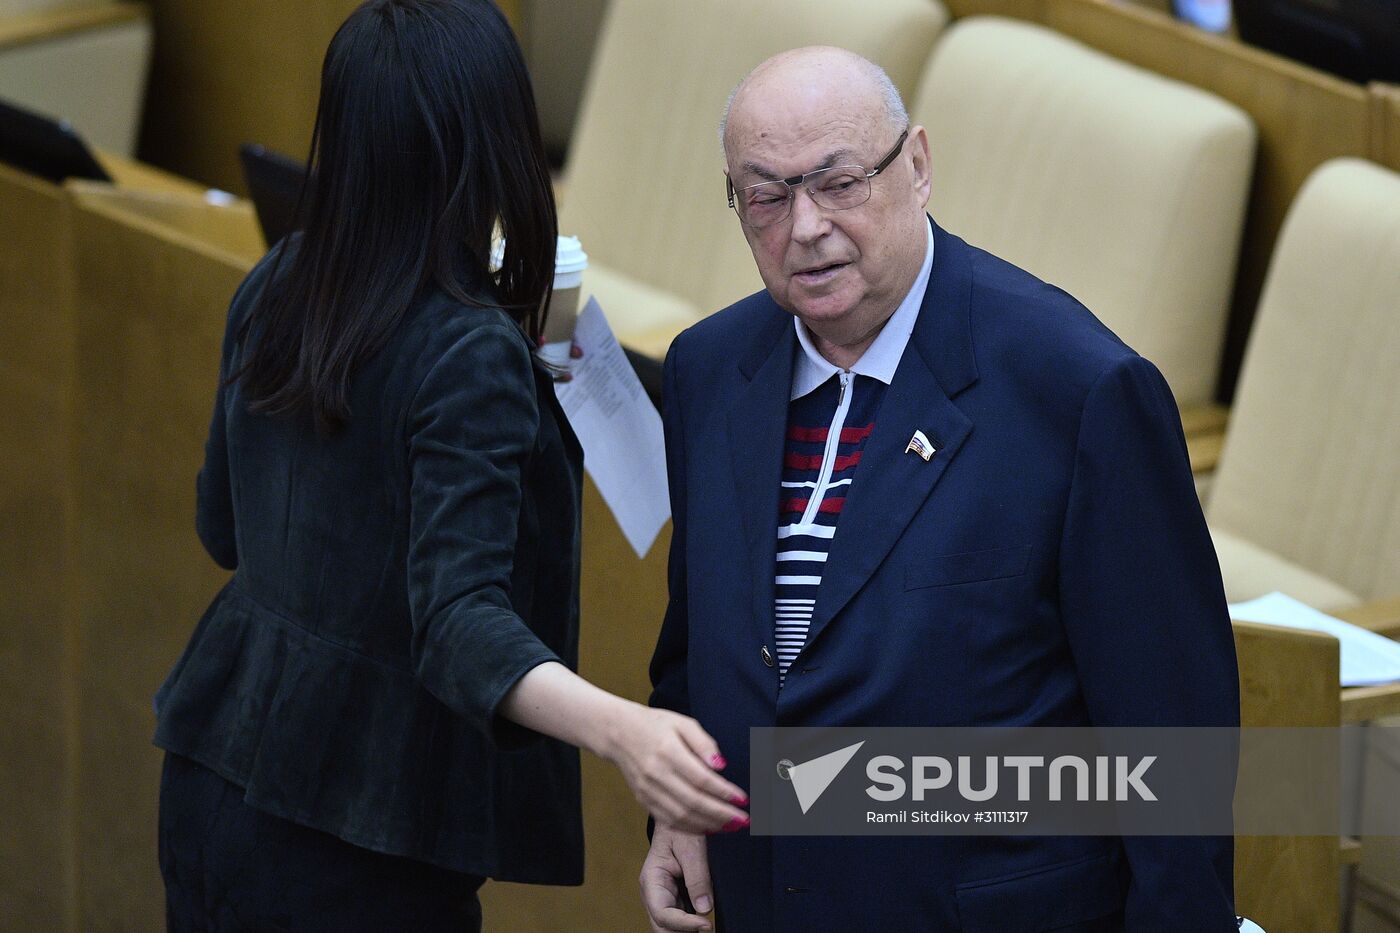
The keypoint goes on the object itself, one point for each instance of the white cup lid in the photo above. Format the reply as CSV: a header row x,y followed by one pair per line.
x,y
568,255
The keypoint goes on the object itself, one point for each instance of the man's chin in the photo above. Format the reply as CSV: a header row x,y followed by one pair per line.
x,y
822,313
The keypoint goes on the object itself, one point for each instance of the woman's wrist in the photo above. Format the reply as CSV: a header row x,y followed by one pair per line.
x,y
613,722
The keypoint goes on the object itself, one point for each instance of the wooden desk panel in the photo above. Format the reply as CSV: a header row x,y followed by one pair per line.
x,y
1385,125
131,175
1288,677
228,73
151,306
38,699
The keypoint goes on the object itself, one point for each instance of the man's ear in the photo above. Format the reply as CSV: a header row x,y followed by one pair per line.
x,y
918,156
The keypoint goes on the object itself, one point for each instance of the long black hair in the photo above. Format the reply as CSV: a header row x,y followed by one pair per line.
x,y
426,142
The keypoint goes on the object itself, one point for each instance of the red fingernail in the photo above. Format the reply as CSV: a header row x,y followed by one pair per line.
x,y
718,763
739,800
736,824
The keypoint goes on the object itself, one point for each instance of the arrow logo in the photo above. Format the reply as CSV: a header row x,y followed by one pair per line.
x,y
811,778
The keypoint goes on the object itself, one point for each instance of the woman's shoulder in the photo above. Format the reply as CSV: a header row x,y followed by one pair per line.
x,y
447,335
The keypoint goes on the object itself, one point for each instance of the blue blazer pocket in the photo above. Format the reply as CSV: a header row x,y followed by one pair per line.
x,y
1056,898
968,567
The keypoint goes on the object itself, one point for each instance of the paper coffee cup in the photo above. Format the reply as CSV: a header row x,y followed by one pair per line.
x,y
569,262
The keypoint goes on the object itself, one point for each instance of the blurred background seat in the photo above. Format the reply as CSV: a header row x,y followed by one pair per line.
x,y
1307,495
86,63
1123,187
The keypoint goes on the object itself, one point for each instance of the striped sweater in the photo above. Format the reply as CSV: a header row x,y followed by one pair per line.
x,y
826,433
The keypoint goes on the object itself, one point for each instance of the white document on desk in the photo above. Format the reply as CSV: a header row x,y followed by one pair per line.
x,y
623,445
1367,658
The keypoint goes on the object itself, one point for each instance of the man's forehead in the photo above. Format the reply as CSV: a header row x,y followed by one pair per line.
x,y
774,150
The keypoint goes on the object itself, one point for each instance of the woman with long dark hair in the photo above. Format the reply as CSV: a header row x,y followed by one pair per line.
x,y
377,712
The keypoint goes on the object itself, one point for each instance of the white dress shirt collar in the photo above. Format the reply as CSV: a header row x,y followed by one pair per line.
x,y
881,358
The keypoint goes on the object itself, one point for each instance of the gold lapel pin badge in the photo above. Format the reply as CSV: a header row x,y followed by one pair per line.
x,y
920,445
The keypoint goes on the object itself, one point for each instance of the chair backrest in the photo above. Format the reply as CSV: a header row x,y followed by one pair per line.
x,y
1309,468
86,65
645,184
1125,188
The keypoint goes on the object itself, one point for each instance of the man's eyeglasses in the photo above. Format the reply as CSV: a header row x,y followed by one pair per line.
x,y
838,188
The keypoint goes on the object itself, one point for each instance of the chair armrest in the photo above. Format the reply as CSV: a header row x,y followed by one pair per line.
x,y
1204,427
1208,418
1204,451
1365,704
1381,617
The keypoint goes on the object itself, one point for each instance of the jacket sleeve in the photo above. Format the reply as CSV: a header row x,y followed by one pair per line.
x,y
1144,609
669,679
470,428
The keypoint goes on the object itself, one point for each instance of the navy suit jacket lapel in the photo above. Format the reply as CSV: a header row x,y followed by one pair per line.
x,y
890,484
757,424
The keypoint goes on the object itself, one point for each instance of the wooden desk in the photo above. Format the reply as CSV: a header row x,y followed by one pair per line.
x,y
46,732
1385,124
138,176
37,597
1363,704
229,228
43,25
151,304
1288,678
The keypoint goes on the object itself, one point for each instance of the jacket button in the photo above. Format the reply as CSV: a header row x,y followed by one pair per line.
x,y
766,655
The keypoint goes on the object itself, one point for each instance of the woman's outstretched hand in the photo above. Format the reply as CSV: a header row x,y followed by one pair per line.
x,y
671,764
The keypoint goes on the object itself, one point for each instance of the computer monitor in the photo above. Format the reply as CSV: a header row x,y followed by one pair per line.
x,y
46,147
1354,39
274,183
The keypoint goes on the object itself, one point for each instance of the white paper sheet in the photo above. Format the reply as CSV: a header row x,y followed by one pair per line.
x,y
1367,658
623,446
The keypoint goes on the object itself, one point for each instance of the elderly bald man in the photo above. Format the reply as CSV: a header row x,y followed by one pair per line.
x,y
913,485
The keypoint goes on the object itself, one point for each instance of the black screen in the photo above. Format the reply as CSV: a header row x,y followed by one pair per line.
x,y
45,147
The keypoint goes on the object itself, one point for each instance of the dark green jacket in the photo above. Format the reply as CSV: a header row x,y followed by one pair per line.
x,y
392,582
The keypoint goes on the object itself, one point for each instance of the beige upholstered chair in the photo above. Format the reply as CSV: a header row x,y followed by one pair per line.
x,y
645,184
1307,496
85,63
1125,188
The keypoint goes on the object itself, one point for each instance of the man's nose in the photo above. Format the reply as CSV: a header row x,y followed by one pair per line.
x,y
809,222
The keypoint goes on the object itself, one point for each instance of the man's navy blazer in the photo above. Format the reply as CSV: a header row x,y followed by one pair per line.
x,y
1049,565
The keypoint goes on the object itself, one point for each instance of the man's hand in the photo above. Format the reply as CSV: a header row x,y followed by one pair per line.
x,y
676,859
